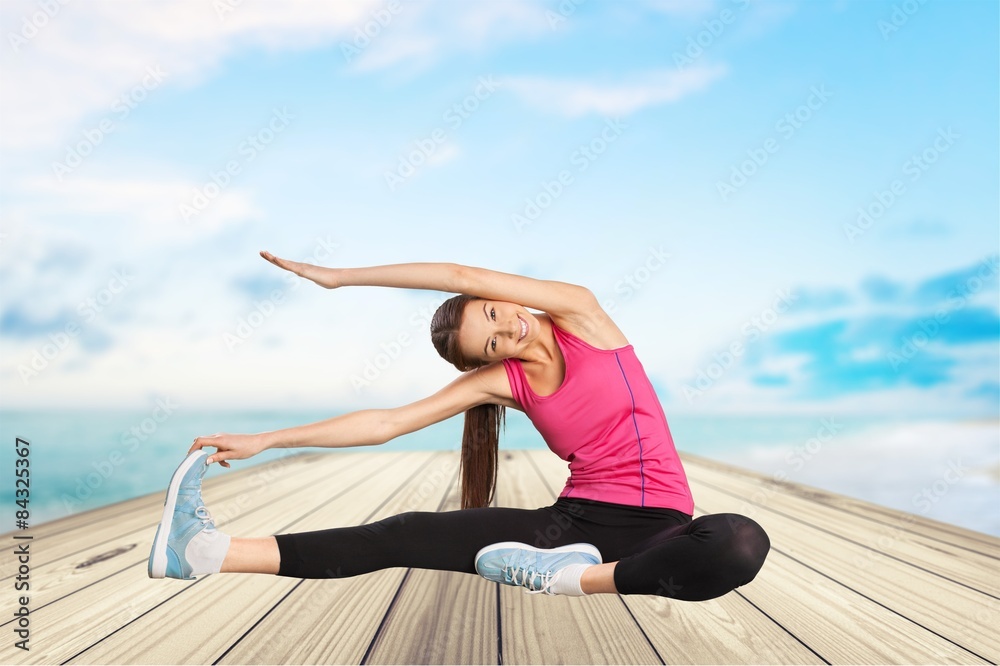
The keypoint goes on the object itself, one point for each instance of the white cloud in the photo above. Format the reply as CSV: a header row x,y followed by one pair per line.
x,y
149,211
871,352
422,33
573,98
682,8
786,364
446,153
83,57
77,62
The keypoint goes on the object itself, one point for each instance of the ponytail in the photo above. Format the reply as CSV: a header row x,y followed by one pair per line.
x,y
481,438
480,446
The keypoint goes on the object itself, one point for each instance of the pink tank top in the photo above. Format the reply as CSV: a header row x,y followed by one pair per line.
x,y
607,422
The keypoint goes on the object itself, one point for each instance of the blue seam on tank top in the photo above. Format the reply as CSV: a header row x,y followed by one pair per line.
x,y
638,439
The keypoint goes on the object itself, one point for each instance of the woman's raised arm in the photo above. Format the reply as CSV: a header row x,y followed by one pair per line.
x,y
554,297
437,276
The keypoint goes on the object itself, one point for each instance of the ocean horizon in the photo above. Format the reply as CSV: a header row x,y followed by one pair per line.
x,y
943,469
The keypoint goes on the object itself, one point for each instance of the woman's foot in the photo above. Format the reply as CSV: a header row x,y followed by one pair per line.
x,y
187,542
549,571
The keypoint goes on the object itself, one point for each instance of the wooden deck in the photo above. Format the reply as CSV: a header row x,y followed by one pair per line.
x,y
845,582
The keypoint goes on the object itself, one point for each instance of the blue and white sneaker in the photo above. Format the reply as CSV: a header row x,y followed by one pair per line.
x,y
186,542
535,569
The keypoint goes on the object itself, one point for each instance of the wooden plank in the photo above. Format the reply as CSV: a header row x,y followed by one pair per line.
x,y
336,620
129,511
953,534
95,541
425,616
243,598
874,538
726,630
440,617
931,603
77,562
843,626
125,597
545,629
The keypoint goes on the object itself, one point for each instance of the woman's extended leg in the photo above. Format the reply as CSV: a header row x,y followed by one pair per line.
x,y
252,556
699,560
446,541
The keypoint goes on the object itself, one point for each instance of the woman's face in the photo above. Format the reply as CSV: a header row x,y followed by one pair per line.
x,y
493,330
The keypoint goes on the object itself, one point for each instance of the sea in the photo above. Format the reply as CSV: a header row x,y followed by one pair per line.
x,y
943,469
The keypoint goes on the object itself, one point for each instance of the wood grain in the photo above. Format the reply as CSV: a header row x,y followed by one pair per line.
x,y
846,581
538,628
727,630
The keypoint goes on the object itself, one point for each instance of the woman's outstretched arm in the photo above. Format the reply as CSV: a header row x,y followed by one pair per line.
x,y
366,427
437,276
554,297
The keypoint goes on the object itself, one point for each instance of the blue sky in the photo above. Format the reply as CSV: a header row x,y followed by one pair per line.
x,y
787,206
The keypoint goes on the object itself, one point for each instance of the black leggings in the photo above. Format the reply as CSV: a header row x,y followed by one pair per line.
x,y
659,551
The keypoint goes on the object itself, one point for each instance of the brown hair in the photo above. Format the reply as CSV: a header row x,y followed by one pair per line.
x,y
481,438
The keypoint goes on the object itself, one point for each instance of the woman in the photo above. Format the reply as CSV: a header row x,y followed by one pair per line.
x,y
624,520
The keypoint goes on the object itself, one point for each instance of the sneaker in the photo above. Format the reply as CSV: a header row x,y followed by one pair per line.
x,y
186,541
513,563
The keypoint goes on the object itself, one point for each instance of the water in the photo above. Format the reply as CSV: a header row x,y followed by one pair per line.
x,y
81,460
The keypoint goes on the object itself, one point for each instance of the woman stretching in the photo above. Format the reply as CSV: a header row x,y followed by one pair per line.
x,y
624,518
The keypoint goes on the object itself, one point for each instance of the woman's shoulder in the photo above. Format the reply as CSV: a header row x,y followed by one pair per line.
x,y
596,328
497,383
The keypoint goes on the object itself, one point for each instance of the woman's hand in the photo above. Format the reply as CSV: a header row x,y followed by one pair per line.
x,y
229,447
327,278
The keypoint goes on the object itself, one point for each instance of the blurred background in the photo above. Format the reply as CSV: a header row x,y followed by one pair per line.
x,y
790,209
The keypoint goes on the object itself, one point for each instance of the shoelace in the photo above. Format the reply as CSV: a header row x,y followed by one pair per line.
x,y
527,579
205,516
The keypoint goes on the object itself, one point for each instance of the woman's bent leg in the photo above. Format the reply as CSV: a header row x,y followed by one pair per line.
x,y
706,558
446,541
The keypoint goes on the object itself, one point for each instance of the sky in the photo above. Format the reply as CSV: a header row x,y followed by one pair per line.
x,y
787,207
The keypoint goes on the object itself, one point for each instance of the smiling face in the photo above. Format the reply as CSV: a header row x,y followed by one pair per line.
x,y
493,330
